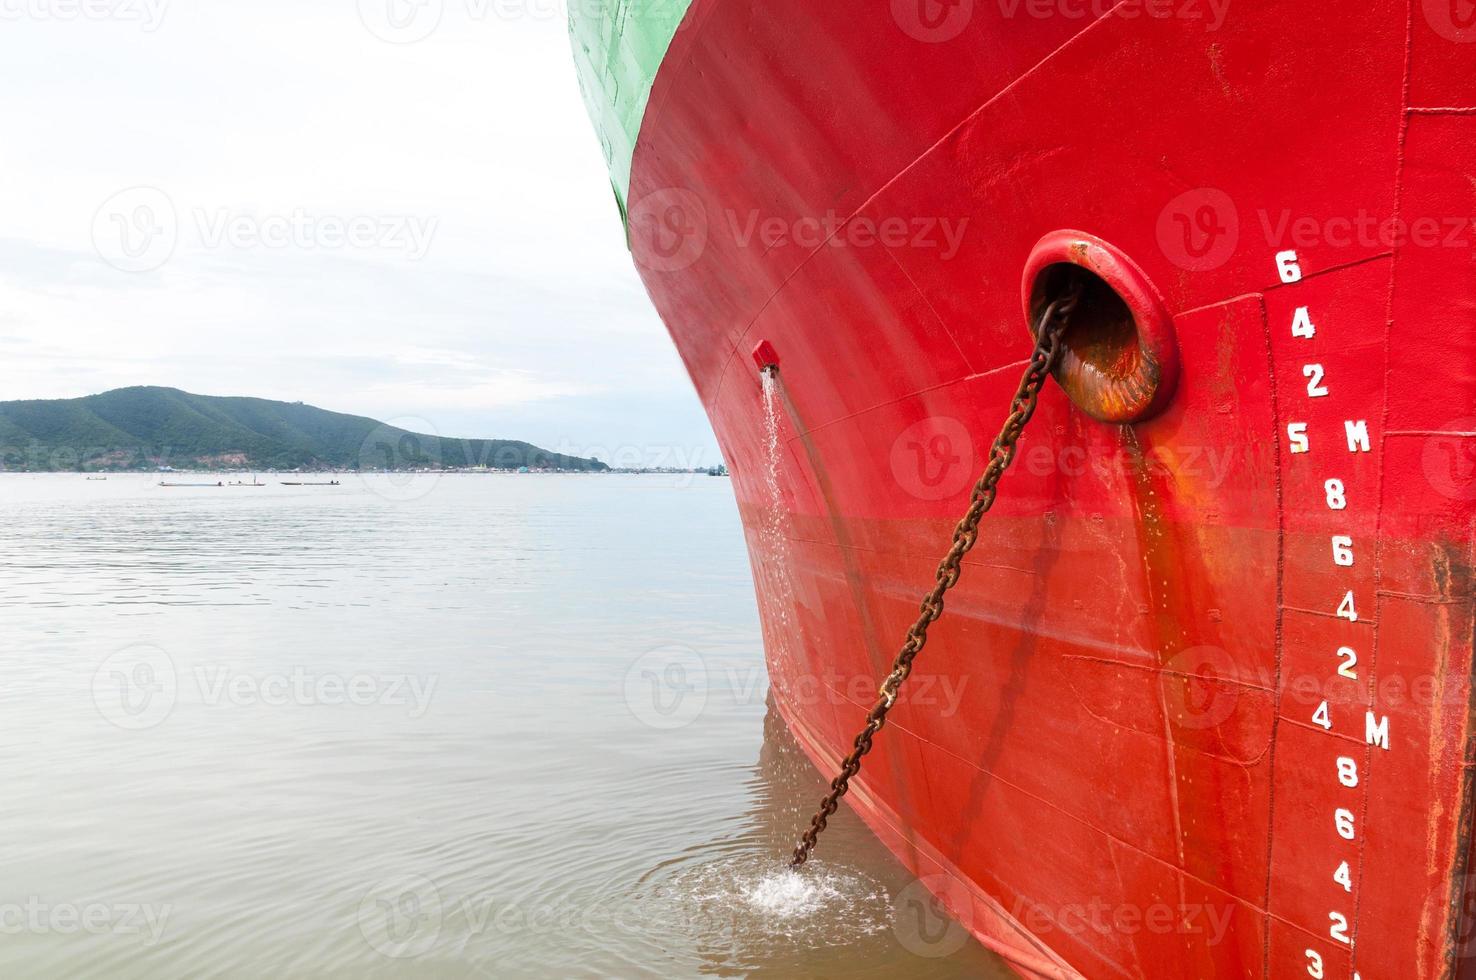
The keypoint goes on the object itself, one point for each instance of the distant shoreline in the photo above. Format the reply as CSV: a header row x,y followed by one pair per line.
x,y
152,429
695,471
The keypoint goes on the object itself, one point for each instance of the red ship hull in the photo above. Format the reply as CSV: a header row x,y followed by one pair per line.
x,y
1201,704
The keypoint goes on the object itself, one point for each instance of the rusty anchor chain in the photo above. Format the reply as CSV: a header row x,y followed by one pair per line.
x,y
1049,330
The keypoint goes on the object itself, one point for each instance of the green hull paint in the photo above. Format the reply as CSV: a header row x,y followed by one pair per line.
x,y
618,46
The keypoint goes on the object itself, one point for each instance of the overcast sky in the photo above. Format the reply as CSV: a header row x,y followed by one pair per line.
x,y
269,198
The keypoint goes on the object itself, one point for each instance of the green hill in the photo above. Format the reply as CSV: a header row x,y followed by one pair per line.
x,y
145,428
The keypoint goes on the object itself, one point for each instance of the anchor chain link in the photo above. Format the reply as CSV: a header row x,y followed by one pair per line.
x,y
1051,327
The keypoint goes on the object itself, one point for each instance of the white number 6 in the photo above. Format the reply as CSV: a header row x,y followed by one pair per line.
x,y
1287,266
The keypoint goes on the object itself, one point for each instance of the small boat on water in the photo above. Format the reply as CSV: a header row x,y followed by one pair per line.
x,y
309,483
94,479
162,483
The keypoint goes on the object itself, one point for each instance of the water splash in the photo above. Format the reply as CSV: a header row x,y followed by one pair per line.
x,y
788,893
749,895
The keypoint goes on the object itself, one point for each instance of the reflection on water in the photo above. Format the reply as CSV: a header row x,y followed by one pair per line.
x,y
464,726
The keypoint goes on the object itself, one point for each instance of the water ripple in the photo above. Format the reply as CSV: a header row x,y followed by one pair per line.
x,y
182,760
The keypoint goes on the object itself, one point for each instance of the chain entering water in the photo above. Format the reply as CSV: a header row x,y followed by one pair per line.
x,y
1047,348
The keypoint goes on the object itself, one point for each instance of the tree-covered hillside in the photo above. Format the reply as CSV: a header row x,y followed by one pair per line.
x,y
145,428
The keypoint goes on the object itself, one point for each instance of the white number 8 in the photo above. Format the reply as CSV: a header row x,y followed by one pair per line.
x,y
1337,498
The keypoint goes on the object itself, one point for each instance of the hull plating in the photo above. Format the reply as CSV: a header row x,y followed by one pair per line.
x,y
1217,663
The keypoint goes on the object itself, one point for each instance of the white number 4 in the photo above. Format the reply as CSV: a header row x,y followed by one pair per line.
x,y
1302,325
1322,717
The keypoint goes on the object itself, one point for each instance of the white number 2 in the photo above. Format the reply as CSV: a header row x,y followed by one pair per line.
x,y
1349,660
1339,930
1314,375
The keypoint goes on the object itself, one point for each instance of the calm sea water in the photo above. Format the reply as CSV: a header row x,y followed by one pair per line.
x,y
447,726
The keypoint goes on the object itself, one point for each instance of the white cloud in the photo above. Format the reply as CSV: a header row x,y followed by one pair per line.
x,y
523,318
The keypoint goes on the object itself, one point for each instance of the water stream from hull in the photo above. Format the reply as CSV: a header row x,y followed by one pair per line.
x,y
776,586
773,894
